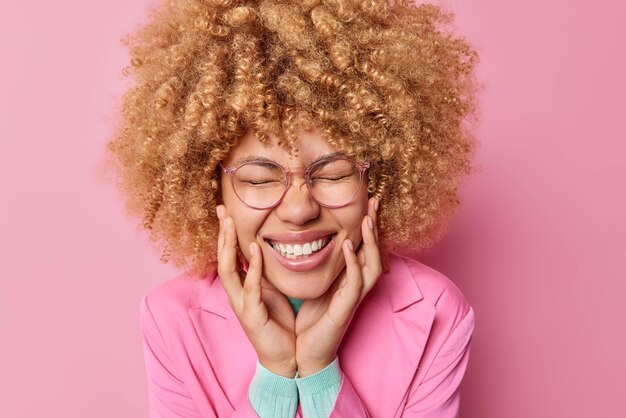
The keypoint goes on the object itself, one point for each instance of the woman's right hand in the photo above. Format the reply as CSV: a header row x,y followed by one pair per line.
x,y
264,312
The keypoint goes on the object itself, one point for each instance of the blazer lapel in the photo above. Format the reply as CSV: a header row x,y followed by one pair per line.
x,y
230,360
381,350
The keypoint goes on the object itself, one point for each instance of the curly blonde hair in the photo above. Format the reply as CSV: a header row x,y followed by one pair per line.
x,y
384,80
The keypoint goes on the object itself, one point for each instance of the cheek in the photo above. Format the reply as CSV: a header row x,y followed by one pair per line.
x,y
351,222
246,223
246,228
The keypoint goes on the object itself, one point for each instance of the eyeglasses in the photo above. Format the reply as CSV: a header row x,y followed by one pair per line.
x,y
262,184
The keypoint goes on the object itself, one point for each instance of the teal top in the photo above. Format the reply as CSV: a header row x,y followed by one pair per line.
x,y
275,396
295,304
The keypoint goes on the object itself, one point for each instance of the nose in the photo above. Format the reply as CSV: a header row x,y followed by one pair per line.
x,y
298,206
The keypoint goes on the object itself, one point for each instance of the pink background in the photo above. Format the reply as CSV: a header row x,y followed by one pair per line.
x,y
535,247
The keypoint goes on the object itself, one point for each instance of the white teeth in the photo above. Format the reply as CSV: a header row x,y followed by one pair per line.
x,y
296,250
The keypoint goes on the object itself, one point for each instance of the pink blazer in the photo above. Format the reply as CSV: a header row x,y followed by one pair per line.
x,y
404,354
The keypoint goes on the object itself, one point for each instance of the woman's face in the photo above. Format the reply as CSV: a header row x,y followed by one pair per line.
x,y
297,220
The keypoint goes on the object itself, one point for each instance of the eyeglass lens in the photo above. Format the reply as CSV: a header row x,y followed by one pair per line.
x,y
332,183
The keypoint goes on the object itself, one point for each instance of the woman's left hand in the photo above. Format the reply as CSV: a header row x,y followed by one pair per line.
x,y
322,322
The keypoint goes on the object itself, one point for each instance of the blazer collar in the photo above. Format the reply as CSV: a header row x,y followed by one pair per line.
x,y
396,290
216,300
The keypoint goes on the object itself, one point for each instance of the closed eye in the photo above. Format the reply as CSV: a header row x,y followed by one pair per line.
x,y
331,178
260,182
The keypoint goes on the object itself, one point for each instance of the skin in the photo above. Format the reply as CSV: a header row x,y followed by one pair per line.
x,y
332,291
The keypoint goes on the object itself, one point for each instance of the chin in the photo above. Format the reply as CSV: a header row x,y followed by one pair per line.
x,y
302,287
301,293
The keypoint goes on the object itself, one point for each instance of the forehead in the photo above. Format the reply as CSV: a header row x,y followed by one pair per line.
x,y
310,144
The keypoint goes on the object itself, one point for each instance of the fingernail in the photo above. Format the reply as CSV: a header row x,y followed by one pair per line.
x,y
252,248
376,205
370,223
220,212
349,244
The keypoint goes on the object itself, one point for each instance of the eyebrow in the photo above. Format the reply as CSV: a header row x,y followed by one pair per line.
x,y
258,158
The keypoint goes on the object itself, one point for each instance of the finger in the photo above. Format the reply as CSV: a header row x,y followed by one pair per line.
x,y
346,299
368,238
351,291
361,252
252,298
219,210
372,211
371,262
227,260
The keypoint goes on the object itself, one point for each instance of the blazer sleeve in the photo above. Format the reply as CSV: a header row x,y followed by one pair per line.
x,y
437,395
348,403
168,397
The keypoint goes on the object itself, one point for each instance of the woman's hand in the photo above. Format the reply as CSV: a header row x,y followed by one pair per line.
x,y
322,322
264,312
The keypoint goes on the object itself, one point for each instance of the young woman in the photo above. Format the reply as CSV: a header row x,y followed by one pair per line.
x,y
281,151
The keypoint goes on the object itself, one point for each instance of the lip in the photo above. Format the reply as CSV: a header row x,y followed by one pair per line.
x,y
301,264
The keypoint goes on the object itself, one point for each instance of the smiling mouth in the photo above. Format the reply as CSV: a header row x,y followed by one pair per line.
x,y
300,250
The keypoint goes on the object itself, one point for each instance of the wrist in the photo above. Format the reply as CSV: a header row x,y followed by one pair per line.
x,y
307,368
285,369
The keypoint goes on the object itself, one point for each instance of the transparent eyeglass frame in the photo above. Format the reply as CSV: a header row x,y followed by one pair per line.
x,y
288,172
